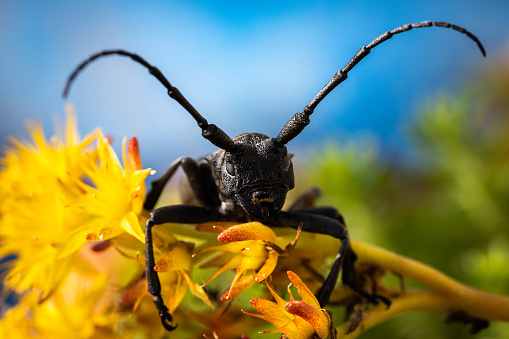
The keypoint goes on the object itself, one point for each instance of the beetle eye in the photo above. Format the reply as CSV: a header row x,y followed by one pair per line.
x,y
286,162
230,169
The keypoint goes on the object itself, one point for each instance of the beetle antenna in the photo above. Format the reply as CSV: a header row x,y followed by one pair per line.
x,y
209,131
300,120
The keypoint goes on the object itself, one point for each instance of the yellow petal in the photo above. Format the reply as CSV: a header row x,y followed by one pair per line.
x,y
293,331
105,234
316,318
304,292
75,241
137,189
281,302
251,263
234,262
125,243
244,277
234,247
178,258
238,286
133,155
248,231
131,298
254,248
131,224
215,226
218,260
268,267
174,292
197,290
271,311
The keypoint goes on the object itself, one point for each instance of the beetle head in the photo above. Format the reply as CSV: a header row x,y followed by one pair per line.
x,y
258,174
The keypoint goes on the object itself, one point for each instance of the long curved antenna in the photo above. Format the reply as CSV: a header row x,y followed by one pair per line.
x,y
209,131
300,120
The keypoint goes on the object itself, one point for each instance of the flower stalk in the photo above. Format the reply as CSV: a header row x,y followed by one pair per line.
x,y
446,295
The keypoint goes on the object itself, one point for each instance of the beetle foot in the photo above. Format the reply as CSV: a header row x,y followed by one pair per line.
x,y
164,313
374,298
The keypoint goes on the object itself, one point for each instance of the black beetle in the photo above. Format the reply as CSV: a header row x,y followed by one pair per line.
x,y
249,177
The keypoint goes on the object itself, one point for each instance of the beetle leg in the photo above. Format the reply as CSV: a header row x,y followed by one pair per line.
x,y
345,259
326,211
305,200
325,291
153,283
200,179
158,185
166,214
327,220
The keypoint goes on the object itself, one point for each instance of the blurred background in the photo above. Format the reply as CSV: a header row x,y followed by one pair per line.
x,y
413,147
246,67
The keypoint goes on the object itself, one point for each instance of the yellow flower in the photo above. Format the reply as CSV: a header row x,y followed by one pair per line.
x,y
15,322
74,311
298,319
174,265
77,311
35,197
54,193
173,262
113,202
251,248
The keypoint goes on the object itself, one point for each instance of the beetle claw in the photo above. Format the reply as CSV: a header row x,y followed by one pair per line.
x,y
164,313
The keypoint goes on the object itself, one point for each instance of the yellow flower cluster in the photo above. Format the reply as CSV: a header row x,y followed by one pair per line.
x,y
250,250
298,319
71,213
57,195
54,193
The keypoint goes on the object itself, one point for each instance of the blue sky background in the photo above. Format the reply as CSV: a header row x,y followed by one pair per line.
x,y
246,66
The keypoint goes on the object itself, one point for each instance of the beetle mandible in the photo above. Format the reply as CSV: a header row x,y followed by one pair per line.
x,y
249,177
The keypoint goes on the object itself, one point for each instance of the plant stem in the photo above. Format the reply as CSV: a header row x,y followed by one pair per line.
x,y
446,295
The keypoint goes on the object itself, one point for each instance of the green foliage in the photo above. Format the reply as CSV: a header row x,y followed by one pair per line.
x,y
449,209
